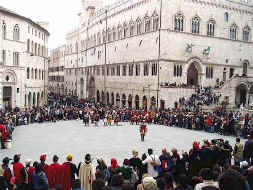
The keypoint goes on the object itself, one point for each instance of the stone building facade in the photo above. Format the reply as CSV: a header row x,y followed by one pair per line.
x,y
56,70
23,61
134,53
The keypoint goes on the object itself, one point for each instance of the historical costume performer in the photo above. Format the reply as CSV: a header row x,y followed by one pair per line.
x,y
143,130
54,173
17,169
86,174
68,172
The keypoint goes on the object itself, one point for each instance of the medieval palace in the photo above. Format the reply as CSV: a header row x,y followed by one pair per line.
x,y
149,53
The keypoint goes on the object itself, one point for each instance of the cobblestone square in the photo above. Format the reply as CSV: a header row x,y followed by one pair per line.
x,y
116,141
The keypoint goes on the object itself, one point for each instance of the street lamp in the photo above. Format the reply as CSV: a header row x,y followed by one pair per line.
x,y
159,54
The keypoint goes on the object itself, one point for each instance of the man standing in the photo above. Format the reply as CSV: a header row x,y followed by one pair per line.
x,y
68,172
143,130
238,152
54,173
45,166
153,162
17,170
248,150
86,174
6,171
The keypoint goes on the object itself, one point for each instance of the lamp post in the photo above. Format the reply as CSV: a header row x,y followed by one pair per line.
x,y
159,54
105,70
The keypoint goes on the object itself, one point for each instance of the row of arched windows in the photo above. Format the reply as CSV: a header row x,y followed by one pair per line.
x,y
35,48
123,100
36,74
16,32
179,21
121,31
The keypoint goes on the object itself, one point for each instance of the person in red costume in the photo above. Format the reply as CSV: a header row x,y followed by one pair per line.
x,y
54,173
3,135
68,172
45,167
17,170
143,130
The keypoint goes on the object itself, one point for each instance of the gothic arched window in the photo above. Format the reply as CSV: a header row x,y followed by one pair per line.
x,y
210,27
4,30
139,26
246,32
233,32
179,22
147,24
195,25
16,33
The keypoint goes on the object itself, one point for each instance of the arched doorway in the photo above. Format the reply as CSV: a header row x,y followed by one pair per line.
x,y
29,99
137,102
91,88
34,99
82,88
251,96
107,98
130,99
38,99
153,103
144,102
192,75
117,100
7,97
123,100
98,96
241,95
112,98
103,97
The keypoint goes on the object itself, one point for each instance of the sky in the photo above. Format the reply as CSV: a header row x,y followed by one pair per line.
x,y
61,15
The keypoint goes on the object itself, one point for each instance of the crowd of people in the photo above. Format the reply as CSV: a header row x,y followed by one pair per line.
x,y
207,166
187,114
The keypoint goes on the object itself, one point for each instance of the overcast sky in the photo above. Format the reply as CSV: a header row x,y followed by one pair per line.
x,y
61,14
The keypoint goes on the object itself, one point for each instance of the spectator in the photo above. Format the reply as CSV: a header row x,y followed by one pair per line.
x,y
116,182
149,183
232,180
238,152
98,184
153,163
39,179
86,174
208,179
68,171
248,150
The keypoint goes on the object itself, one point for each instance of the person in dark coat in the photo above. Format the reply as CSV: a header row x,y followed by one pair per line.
x,y
136,163
248,150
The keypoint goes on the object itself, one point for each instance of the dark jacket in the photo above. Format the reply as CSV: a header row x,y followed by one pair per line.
x,y
248,149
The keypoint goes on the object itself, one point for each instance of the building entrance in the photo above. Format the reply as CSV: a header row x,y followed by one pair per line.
x,y
7,97
192,75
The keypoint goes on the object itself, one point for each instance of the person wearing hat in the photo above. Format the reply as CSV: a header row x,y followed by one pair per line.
x,y
149,183
126,171
68,171
86,173
54,173
5,171
45,166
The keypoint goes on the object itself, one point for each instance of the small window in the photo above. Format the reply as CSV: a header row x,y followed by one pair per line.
x,y
226,17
